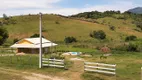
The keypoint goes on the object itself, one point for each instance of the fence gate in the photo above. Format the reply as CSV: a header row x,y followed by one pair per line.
x,y
53,63
100,68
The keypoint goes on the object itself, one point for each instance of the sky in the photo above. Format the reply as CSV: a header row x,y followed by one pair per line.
x,y
64,7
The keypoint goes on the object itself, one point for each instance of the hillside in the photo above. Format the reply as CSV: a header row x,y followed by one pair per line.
x,y
55,28
137,10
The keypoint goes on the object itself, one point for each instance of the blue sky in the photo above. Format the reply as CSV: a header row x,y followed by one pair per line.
x,y
64,7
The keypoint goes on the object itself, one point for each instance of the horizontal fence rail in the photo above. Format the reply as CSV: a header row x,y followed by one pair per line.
x,y
53,63
100,68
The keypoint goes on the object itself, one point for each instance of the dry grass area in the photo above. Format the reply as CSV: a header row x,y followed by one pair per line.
x,y
18,75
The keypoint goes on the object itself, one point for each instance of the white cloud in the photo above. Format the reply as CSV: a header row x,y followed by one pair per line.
x,y
122,5
12,7
9,4
18,7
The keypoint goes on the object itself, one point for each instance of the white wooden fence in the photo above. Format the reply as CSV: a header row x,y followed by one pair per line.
x,y
53,63
100,68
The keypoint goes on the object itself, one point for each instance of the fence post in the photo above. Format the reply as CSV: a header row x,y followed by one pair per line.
x,y
54,62
84,66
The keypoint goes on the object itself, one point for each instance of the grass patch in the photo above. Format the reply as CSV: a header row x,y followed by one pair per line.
x,y
88,76
6,76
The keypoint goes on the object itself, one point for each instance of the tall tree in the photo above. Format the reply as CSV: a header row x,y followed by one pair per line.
x,y
5,17
3,35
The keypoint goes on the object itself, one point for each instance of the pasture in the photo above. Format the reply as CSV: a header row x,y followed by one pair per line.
x,y
128,66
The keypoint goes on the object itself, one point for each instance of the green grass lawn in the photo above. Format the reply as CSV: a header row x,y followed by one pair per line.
x,y
128,65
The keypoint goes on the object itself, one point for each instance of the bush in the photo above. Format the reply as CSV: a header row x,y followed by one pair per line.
x,y
35,36
98,34
121,48
56,56
5,17
3,35
112,28
70,39
15,40
57,22
139,26
130,38
132,47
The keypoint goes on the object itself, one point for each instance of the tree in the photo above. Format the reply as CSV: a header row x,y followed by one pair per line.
x,y
3,35
5,17
130,38
35,36
70,39
15,40
98,34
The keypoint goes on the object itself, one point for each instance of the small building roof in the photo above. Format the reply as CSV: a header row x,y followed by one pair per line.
x,y
34,43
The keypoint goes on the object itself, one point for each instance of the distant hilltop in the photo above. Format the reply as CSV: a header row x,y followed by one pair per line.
x,y
137,10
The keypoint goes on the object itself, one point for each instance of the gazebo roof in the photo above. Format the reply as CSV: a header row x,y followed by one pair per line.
x,y
33,43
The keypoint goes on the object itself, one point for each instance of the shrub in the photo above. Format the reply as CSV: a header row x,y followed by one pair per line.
x,y
5,17
121,48
35,36
130,38
132,47
56,56
98,34
5,45
70,39
3,35
12,21
15,40
139,26
57,22
112,28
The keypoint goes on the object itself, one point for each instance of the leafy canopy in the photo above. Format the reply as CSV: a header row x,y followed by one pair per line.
x,y
3,35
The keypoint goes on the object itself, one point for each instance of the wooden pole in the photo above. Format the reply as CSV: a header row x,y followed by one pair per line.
x,y
40,49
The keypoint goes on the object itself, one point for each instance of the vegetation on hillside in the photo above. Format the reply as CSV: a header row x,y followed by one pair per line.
x,y
114,14
98,35
116,27
69,40
96,14
3,35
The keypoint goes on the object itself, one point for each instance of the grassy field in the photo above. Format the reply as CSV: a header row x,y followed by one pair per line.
x,y
128,66
55,28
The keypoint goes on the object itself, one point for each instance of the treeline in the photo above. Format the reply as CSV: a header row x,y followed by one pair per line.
x,y
6,20
96,14
91,16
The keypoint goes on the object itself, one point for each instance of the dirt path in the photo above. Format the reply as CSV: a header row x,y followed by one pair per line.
x,y
75,71
29,75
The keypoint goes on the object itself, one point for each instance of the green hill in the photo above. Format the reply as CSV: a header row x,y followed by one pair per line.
x,y
56,28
